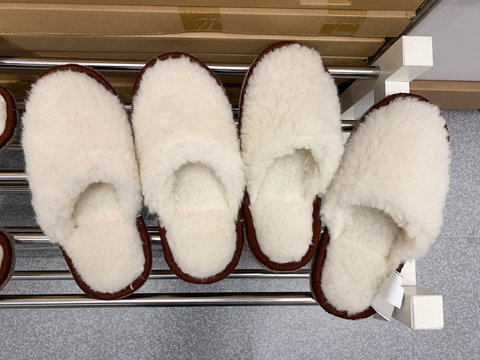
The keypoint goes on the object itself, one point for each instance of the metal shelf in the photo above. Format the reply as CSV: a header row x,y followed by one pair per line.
x,y
395,76
366,72
163,275
142,299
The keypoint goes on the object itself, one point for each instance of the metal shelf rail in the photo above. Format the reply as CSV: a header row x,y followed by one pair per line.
x,y
392,72
367,72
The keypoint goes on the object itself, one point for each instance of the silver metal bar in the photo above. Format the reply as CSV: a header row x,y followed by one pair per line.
x,y
112,66
32,64
139,299
13,181
35,236
13,176
14,188
164,275
341,72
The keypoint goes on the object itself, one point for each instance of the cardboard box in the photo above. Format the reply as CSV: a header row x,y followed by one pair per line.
x,y
144,20
287,4
28,45
449,94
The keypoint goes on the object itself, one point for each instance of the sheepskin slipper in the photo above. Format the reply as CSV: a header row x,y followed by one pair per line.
x,y
385,203
83,175
7,257
190,166
8,117
291,145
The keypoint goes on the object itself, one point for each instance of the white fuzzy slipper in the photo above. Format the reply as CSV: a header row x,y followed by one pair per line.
x,y
385,203
8,117
83,175
190,165
291,145
7,257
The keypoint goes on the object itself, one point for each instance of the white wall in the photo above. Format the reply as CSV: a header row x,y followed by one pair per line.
x,y
455,28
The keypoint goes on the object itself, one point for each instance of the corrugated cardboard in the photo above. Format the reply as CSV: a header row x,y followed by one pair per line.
x,y
449,94
287,4
25,44
144,20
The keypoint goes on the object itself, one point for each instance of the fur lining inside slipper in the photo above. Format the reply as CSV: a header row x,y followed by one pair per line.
x,y
83,174
190,164
385,203
291,146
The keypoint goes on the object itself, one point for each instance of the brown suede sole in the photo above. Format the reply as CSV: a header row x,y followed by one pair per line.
x,y
169,258
319,261
252,241
11,121
7,265
142,229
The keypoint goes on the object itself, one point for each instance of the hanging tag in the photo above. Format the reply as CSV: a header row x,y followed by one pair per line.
x,y
389,296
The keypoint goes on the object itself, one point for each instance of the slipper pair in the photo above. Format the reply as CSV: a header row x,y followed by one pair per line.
x,y
384,205
87,185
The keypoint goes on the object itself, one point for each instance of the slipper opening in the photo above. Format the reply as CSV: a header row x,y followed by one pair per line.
x,y
282,211
358,260
104,244
201,233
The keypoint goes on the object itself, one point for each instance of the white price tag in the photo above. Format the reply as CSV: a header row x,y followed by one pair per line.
x,y
389,296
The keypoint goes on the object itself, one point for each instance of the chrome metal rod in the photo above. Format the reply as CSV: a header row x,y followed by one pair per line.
x,y
14,188
106,66
42,64
164,275
13,181
35,236
341,72
14,176
139,299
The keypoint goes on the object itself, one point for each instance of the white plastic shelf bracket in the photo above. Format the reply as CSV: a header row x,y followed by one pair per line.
x,y
421,308
403,62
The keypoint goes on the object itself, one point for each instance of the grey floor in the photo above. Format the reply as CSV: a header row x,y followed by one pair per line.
x,y
296,332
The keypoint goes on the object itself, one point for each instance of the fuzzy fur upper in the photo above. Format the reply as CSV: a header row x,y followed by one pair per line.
x,y
76,133
291,104
291,146
190,164
83,175
3,114
181,115
387,198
